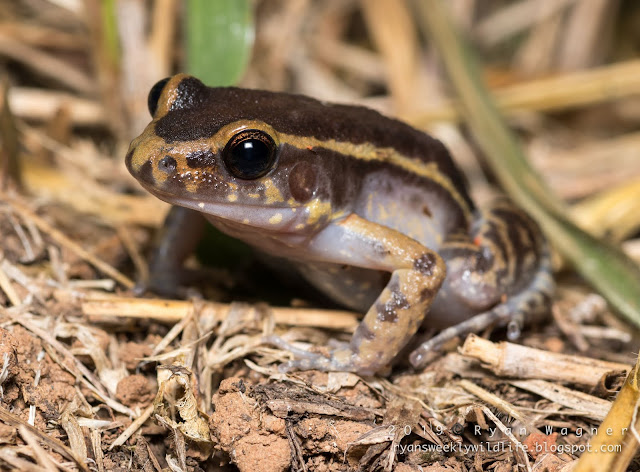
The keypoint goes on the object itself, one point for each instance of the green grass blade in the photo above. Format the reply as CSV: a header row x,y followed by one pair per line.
x,y
605,267
219,36
110,31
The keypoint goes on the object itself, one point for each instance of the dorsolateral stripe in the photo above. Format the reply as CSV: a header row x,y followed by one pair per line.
x,y
362,151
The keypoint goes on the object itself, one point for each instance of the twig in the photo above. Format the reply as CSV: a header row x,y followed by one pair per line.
x,y
513,360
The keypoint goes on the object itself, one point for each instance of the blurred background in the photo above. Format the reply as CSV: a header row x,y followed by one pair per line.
x,y
566,74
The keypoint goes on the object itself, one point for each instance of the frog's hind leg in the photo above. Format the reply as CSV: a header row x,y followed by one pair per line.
x,y
500,275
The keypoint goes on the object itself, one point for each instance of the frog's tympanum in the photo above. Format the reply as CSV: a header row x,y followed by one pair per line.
x,y
370,211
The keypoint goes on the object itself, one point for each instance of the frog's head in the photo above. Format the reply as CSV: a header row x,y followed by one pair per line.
x,y
238,156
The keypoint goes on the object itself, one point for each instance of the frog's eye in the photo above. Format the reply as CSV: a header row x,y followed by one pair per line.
x,y
249,154
154,95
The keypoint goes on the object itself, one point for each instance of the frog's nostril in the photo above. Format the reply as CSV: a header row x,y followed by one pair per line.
x,y
167,164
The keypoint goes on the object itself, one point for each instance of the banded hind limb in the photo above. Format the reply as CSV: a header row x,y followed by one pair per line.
x,y
497,275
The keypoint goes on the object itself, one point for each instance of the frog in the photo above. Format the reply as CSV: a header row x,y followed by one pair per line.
x,y
370,211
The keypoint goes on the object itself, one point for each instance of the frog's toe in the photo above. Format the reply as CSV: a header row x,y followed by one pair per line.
x,y
165,284
339,358
310,362
337,361
139,288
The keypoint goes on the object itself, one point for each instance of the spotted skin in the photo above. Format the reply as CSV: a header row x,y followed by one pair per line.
x,y
372,212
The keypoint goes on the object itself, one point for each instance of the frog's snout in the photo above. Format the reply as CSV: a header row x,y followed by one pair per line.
x,y
139,166
129,157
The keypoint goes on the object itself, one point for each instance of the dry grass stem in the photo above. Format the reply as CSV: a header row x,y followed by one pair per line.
x,y
142,269
585,38
63,240
605,332
40,455
42,36
133,427
580,402
96,445
396,37
536,54
520,453
514,18
56,445
48,65
7,288
42,105
632,248
75,435
606,83
354,59
171,311
113,209
613,212
497,402
162,36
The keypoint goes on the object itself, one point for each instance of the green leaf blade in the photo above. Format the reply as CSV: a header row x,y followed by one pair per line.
x,y
219,37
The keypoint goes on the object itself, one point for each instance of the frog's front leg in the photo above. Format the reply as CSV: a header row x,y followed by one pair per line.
x,y
416,275
177,239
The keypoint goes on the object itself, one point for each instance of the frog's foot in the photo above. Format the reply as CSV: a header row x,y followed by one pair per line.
x,y
500,315
173,283
530,304
339,358
166,284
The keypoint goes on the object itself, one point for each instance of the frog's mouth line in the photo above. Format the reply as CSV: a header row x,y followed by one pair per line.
x,y
194,203
257,216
